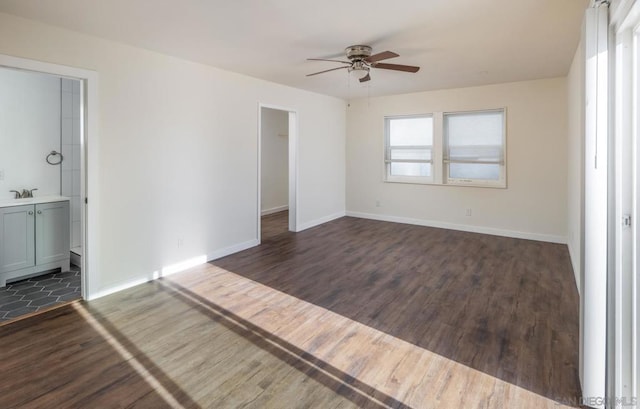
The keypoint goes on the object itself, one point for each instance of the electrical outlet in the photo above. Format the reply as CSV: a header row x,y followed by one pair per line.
x,y
180,243
377,203
467,212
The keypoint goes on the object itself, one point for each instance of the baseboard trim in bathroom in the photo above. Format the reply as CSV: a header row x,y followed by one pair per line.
x,y
75,259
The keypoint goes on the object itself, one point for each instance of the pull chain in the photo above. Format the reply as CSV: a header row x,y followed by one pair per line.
x,y
348,86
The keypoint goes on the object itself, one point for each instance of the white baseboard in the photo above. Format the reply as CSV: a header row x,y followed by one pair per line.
x,y
175,268
461,227
76,259
274,210
322,220
232,249
118,287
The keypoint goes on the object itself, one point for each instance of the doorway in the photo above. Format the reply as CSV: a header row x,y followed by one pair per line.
x,y
277,171
45,263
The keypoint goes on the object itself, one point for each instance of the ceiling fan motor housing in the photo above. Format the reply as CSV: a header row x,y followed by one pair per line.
x,y
358,52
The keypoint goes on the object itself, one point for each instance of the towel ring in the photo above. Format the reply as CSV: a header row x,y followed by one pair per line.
x,y
54,153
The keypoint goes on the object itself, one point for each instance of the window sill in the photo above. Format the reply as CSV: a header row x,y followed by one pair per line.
x,y
410,180
499,185
492,185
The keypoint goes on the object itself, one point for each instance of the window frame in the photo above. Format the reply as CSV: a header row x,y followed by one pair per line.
x,y
446,179
387,161
440,150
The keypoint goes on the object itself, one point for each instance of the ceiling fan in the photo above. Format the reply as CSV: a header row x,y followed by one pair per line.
x,y
360,59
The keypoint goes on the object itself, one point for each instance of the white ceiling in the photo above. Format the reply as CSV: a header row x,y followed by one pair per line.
x,y
456,42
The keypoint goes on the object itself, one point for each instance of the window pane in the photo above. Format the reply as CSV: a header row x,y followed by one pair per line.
x,y
411,131
410,169
475,136
475,128
421,154
478,153
474,171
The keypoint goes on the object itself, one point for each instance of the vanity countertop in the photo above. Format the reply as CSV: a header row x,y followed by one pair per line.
x,y
32,200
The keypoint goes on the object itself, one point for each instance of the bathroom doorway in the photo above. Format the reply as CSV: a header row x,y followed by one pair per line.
x,y
277,171
42,187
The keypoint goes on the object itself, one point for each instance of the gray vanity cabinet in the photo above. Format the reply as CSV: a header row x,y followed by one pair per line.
x,y
17,225
34,239
52,232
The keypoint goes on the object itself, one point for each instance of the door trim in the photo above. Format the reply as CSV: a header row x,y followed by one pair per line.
x,y
293,167
90,172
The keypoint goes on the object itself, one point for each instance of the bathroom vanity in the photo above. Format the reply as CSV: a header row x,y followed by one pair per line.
x,y
34,237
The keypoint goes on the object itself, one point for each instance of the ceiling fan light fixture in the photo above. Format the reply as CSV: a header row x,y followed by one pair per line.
x,y
360,59
365,78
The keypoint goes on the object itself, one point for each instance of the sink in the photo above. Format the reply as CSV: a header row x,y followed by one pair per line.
x,y
32,200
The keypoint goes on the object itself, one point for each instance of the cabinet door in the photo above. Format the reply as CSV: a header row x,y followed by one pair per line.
x,y
17,243
52,232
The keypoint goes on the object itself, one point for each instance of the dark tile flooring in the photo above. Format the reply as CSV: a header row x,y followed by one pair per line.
x,y
36,293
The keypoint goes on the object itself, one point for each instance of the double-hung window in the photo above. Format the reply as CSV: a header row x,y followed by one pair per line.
x,y
409,149
450,148
474,148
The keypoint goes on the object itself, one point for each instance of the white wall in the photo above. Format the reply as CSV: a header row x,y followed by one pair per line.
x,y
535,202
275,160
71,146
575,163
29,130
178,151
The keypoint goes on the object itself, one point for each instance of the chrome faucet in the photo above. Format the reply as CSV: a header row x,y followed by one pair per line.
x,y
24,195
27,193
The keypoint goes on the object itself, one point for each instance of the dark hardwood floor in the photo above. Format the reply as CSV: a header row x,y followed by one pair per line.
x,y
506,307
350,314
274,224
58,359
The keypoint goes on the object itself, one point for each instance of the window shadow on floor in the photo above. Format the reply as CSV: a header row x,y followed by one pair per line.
x,y
359,393
503,306
60,359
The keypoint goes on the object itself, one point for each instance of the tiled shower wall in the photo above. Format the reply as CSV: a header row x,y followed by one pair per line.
x,y
70,135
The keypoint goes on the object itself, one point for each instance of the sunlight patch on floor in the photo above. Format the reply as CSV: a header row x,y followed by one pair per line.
x,y
404,371
128,357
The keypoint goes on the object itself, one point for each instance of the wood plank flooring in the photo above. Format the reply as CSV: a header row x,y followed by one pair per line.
x,y
353,313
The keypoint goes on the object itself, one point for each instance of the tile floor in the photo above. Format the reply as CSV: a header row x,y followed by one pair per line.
x,y
36,293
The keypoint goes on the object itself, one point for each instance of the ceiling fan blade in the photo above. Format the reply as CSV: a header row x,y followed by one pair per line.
x,y
381,56
324,59
396,67
365,78
321,72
